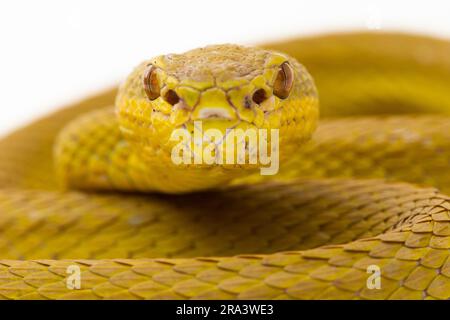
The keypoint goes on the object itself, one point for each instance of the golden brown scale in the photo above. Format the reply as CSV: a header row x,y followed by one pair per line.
x,y
131,149
296,239
412,251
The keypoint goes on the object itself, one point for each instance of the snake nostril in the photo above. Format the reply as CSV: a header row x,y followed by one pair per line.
x,y
171,97
259,96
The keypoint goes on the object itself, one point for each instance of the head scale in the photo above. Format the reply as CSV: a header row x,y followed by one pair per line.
x,y
225,87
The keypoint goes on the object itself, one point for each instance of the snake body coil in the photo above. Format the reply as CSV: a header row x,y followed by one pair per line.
x,y
310,232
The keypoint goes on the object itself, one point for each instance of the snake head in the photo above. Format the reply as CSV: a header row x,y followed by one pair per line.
x,y
224,87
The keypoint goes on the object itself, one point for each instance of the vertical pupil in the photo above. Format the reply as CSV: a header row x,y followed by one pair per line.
x,y
284,81
153,81
151,84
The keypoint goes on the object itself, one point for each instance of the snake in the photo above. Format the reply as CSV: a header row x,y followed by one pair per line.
x,y
357,210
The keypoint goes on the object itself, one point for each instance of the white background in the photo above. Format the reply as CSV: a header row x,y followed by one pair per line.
x,y
54,52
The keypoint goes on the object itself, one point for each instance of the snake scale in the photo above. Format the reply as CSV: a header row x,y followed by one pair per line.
x,y
367,189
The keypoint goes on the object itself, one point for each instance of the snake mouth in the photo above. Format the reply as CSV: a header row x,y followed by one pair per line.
x,y
214,113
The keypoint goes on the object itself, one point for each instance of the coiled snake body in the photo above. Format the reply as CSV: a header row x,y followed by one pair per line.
x,y
341,204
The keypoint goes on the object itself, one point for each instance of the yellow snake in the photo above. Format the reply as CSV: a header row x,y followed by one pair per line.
x,y
92,185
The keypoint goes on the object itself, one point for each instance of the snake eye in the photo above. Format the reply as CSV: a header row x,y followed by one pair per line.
x,y
284,81
151,84
171,97
259,96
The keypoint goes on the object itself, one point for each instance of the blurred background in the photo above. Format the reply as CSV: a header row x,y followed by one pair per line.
x,y
56,52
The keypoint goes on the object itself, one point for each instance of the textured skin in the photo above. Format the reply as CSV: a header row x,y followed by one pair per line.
x,y
129,147
294,239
